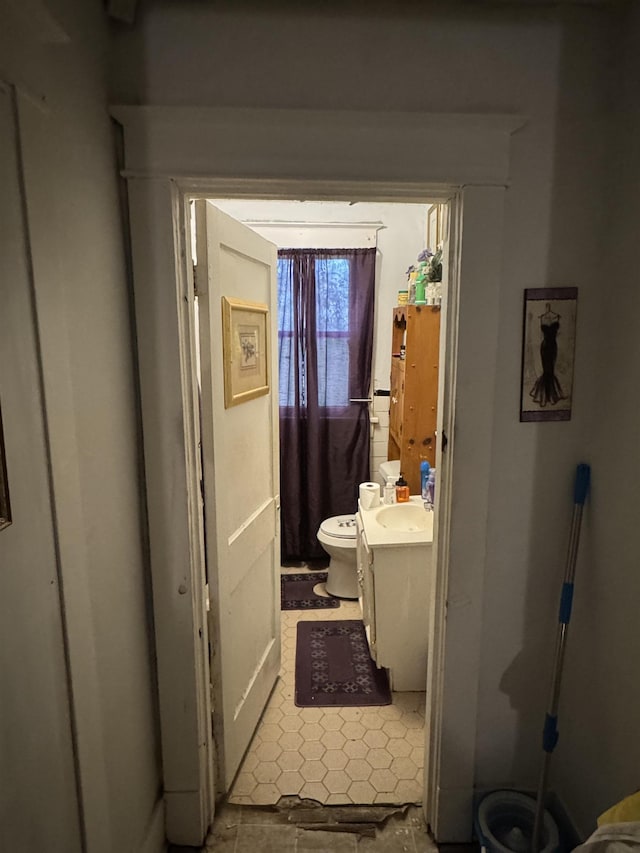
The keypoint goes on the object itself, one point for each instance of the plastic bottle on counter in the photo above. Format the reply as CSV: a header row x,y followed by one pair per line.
x,y
402,490
424,478
389,492
431,489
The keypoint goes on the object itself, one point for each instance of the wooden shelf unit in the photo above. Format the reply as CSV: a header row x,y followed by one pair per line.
x,y
414,389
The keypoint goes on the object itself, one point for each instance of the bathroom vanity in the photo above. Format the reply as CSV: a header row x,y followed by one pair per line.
x,y
394,560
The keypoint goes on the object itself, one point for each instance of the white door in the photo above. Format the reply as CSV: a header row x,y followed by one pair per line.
x,y
241,474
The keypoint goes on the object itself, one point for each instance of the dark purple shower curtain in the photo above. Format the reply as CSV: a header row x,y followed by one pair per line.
x,y
325,323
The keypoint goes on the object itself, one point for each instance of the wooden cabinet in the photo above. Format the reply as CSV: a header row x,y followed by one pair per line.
x,y
414,389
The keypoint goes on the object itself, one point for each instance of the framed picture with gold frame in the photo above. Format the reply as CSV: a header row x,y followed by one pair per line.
x,y
5,507
245,350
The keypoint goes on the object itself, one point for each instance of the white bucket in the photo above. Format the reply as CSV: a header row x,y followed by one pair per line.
x,y
504,824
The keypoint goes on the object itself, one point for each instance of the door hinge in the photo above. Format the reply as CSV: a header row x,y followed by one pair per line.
x,y
444,441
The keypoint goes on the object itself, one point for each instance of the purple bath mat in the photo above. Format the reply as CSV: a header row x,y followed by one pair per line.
x,y
296,592
334,667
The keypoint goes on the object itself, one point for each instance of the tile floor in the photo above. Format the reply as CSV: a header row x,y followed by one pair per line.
x,y
336,756
245,829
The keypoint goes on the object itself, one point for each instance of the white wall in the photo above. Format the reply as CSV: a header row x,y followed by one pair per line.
x,y
83,318
400,238
36,748
599,751
534,464
552,69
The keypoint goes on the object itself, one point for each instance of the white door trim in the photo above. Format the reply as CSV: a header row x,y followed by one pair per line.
x,y
172,155
171,435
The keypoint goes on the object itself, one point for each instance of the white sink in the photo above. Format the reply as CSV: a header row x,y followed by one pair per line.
x,y
398,524
404,517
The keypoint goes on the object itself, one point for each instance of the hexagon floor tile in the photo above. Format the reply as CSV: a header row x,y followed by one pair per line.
x,y
338,755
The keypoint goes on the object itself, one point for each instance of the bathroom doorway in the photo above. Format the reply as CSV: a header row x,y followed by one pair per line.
x,y
396,233
356,755
174,155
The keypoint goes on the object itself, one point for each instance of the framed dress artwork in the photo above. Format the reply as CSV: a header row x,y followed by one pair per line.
x,y
548,348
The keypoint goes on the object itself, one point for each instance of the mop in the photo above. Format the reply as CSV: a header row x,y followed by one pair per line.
x,y
550,731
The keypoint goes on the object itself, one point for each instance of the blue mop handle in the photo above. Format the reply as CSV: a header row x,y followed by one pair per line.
x,y
580,490
550,732
581,487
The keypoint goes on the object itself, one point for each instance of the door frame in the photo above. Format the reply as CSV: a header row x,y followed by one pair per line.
x,y
175,155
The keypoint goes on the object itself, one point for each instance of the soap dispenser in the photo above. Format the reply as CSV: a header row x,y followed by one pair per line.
x,y
402,490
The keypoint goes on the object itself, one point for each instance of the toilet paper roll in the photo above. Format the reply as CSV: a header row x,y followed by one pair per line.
x,y
369,495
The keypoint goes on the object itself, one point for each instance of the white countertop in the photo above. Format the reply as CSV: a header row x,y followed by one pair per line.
x,y
380,537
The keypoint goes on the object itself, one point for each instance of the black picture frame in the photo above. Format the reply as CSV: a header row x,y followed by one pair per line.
x,y
548,353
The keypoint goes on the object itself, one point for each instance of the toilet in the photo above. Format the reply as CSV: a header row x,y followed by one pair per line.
x,y
388,469
337,535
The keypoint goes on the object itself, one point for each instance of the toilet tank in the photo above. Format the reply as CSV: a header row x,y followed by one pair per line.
x,y
389,469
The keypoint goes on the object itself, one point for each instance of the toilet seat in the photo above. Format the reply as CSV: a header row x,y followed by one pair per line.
x,y
340,527
338,537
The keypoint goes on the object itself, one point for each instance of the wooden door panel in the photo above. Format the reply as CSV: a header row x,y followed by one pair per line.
x,y
241,483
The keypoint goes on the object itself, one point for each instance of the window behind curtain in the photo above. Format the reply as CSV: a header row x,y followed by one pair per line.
x,y
325,323
331,279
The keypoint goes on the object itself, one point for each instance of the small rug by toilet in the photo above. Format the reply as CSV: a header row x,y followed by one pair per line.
x,y
296,592
334,667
